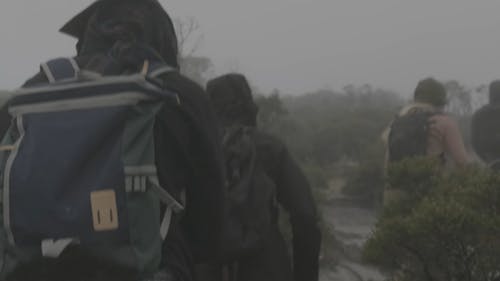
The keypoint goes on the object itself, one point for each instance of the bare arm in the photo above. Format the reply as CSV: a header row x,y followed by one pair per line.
x,y
454,144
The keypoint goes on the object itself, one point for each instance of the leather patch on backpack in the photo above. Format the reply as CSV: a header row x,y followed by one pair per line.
x,y
104,210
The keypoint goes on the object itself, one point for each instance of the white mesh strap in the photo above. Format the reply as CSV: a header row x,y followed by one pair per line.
x,y
54,248
165,223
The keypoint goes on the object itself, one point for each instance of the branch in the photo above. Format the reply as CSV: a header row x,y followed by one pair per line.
x,y
188,31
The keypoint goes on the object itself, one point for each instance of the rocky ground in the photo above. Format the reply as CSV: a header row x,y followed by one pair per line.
x,y
351,226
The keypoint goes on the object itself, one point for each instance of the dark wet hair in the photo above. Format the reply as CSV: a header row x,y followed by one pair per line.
x,y
430,91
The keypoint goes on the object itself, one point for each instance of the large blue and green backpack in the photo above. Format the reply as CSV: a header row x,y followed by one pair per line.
x,y
78,168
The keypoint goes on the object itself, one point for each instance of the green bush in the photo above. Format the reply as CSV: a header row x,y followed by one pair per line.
x,y
365,182
332,134
445,227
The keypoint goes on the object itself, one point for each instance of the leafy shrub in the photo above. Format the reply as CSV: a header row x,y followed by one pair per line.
x,y
445,227
365,182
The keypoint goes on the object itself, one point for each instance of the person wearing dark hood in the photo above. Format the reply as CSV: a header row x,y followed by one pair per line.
x,y
116,37
485,138
277,179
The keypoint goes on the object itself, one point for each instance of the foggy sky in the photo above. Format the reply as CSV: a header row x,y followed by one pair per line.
x,y
296,45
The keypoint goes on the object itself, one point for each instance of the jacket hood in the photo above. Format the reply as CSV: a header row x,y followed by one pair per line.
x,y
494,90
105,22
232,99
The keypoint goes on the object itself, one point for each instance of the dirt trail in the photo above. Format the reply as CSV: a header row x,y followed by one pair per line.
x,y
351,226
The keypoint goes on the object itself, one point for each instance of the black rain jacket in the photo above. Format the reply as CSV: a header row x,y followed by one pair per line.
x,y
233,102
116,37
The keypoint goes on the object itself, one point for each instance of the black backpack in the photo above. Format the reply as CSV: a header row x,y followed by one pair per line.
x,y
485,134
250,195
408,135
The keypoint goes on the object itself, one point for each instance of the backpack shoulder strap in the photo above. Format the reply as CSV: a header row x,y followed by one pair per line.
x,y
60,69
155,69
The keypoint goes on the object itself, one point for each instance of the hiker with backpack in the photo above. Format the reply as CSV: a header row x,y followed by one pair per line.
x,y
111,167
423,129
261,176
485,129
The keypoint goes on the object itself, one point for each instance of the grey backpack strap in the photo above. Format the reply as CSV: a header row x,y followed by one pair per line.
x,y
165,223
156,69
153,70
172,206
161,70
60,69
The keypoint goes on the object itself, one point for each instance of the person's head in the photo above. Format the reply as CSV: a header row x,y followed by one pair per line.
x,y
108,23
232,99
495,92
430,91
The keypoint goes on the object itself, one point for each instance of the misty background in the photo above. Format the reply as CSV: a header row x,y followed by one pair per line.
x,y
296,46
338,65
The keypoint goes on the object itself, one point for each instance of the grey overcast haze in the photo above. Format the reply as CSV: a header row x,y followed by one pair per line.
x,y
296,46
